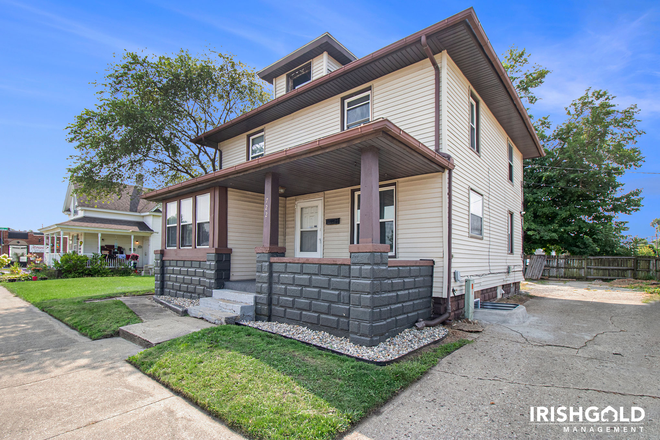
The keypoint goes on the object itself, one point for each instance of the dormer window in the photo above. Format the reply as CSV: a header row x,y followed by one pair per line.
x,y
299,77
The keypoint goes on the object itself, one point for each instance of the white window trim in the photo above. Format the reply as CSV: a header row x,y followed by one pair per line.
x,y
302,204
512,170
483,227
250,145
181,223
356,239
352,98
197,222
175,225
510,243
473,104
311,73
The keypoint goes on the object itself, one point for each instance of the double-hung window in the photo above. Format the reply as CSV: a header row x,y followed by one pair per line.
x,y
171,223
299,77
387,217
510,232
186,219
474,124
256,146
476,214
202,217
357,110
510,162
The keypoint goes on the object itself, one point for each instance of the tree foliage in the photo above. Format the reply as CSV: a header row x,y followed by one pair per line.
x,y
148,110
573,195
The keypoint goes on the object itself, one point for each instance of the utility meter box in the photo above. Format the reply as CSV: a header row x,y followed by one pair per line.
x,y
469,299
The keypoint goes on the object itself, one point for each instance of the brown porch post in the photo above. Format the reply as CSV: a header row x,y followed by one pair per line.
x,y
271,210
369,199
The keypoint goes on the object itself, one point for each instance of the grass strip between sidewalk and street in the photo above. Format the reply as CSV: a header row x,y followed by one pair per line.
x,y
66,299
270,387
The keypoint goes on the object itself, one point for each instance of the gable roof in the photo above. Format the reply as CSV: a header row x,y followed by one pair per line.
x,y
107,223
128,201
466,43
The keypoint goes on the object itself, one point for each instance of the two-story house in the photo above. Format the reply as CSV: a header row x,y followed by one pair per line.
x,y
366,192
113,226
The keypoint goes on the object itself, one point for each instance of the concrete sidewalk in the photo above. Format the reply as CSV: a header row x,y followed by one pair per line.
x,y
583,346
57,383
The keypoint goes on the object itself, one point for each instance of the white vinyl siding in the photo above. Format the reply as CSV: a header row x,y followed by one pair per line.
x,y
333,64
405,97
280,86
317,67
486,260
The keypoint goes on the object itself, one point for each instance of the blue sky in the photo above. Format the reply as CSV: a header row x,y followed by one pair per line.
x,y
51,51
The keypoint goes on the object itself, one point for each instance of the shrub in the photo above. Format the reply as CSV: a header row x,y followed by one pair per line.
x,y
15,277
4,260
72,265
98,267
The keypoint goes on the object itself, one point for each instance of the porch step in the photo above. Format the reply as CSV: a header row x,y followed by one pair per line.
x,y
214,316
235,295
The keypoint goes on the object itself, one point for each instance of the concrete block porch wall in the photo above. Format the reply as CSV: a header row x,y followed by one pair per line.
x,y
191,279
366,298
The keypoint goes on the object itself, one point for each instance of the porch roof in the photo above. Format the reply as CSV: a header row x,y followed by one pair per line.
x,y
98,224
325,164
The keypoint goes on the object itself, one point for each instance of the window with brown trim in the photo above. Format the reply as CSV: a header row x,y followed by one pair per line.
x,y
356,109
299,77
202,219
510,232
171,224
256,145
186,222
510,162
476,214
387,216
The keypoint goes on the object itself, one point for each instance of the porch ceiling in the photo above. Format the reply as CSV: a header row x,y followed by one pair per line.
x,y
325,164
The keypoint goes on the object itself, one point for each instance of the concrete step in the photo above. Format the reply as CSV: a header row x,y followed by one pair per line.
x,y
245,311
150,333
235,295
213,316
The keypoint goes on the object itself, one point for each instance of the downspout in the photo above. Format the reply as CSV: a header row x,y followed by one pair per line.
x,y
445,316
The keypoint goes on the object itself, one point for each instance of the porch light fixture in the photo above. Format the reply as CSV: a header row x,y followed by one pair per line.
x,y
281,189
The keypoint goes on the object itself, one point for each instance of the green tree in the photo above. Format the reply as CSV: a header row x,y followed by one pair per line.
x,y
573,195
148,110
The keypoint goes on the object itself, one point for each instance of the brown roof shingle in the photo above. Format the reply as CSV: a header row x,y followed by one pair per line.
x,y
107,223
128,201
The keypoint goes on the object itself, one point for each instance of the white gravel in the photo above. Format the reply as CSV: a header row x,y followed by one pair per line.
x,y
395,347
182,302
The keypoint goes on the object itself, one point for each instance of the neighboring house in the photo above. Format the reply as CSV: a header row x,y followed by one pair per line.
x,y
113,226
19,244
371,188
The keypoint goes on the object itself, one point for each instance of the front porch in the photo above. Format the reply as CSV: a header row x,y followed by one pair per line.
x,y
381,282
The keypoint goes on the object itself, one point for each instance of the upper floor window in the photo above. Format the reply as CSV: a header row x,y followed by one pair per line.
x,y
299,77
186,223
170,233
474,124
387,218
256,146
357,110
202,217
510,162
476,214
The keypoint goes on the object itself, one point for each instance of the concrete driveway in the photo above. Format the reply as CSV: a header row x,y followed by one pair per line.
x,y
583,346
55,383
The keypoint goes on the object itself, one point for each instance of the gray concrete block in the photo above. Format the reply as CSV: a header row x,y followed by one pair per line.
x,y
286,278
340,310
279,267
363,340
312,269
294,268
330,296
311,293
343,324
278,311
330,269
279,289
320,282
356,299
362,258
363,286
285,301
366,300
363,314
294,291
303,304
329,321
320,307
311,318
345,271
345,297
404,271
302,280
293,314
340,283
356,271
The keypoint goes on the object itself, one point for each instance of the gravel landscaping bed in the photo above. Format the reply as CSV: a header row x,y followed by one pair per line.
x,y
182,302
400,345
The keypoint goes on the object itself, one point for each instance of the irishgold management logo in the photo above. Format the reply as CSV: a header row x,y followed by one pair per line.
x,y
591,419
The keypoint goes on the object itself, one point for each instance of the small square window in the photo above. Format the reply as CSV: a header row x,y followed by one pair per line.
x,y
357,110
299,77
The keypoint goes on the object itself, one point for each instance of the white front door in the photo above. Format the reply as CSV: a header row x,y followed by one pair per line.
x,y
309,228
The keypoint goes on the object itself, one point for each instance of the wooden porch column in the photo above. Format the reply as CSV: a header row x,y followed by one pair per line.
x,y
271,210
369,198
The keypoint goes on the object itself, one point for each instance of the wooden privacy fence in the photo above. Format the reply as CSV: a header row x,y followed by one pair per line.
x,y
602,268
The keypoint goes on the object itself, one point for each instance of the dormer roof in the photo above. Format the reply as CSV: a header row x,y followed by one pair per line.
x,y
324,43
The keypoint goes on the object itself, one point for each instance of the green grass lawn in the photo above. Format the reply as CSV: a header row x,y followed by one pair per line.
x,y
65,300
269,387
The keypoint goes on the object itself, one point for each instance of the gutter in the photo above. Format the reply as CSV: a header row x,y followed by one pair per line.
x,y
447,315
